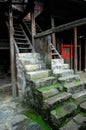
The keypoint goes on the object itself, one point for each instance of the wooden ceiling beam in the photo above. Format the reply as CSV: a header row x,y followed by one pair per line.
x,y
64,27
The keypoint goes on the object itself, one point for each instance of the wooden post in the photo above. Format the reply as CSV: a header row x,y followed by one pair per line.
x,y
13,75
85,55
75,50
80,57
33,28
53,34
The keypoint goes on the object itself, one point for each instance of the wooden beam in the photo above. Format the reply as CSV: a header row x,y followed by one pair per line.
x,y
33,28
64,27
12,56
53,34
75,50
80,57
85,55
4,48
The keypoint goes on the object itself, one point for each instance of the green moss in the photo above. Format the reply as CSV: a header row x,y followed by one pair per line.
x,y
37,118
45,88
59,111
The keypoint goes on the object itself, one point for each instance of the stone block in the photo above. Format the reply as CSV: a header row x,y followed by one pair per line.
x,y
61,113
78,123
83,106
37,74
79,94
56,99
45,82
20,122
32,67
74,87
49,93
67,72
69,79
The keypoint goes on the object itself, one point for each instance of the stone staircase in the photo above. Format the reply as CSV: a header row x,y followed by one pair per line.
x,y
58,97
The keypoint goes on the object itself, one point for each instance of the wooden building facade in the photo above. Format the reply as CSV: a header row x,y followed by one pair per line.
x,y
64,21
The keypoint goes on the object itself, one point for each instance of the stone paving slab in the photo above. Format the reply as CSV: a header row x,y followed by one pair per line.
x,y
11,117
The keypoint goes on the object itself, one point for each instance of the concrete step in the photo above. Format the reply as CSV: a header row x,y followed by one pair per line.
x,y
74,87
38,75
77,123
69,79
56,99
63,112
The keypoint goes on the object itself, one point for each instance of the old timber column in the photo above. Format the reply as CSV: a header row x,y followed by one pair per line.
x,y
53,34
12,56
75,50
85,55
33,28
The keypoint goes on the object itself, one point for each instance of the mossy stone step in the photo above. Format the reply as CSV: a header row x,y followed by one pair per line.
x,y
74,87
45,83
52,85
49,93
63,112
68,79
52,101
83,106
77,123
80,96
35,75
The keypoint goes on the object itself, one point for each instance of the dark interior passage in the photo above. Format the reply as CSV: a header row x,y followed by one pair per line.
x,y
4,63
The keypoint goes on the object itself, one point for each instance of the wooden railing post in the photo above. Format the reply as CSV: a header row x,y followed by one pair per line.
x,y
12,56
75,50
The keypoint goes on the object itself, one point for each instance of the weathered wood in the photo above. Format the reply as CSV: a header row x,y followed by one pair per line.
x,y
12,56
63,27
53,34
85,54
80,58
4,48
75,50
33,26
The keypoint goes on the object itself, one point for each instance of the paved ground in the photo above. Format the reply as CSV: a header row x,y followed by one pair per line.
x,y
83,76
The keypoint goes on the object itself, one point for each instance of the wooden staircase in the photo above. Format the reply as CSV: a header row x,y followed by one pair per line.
x,y
21,40
28,27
